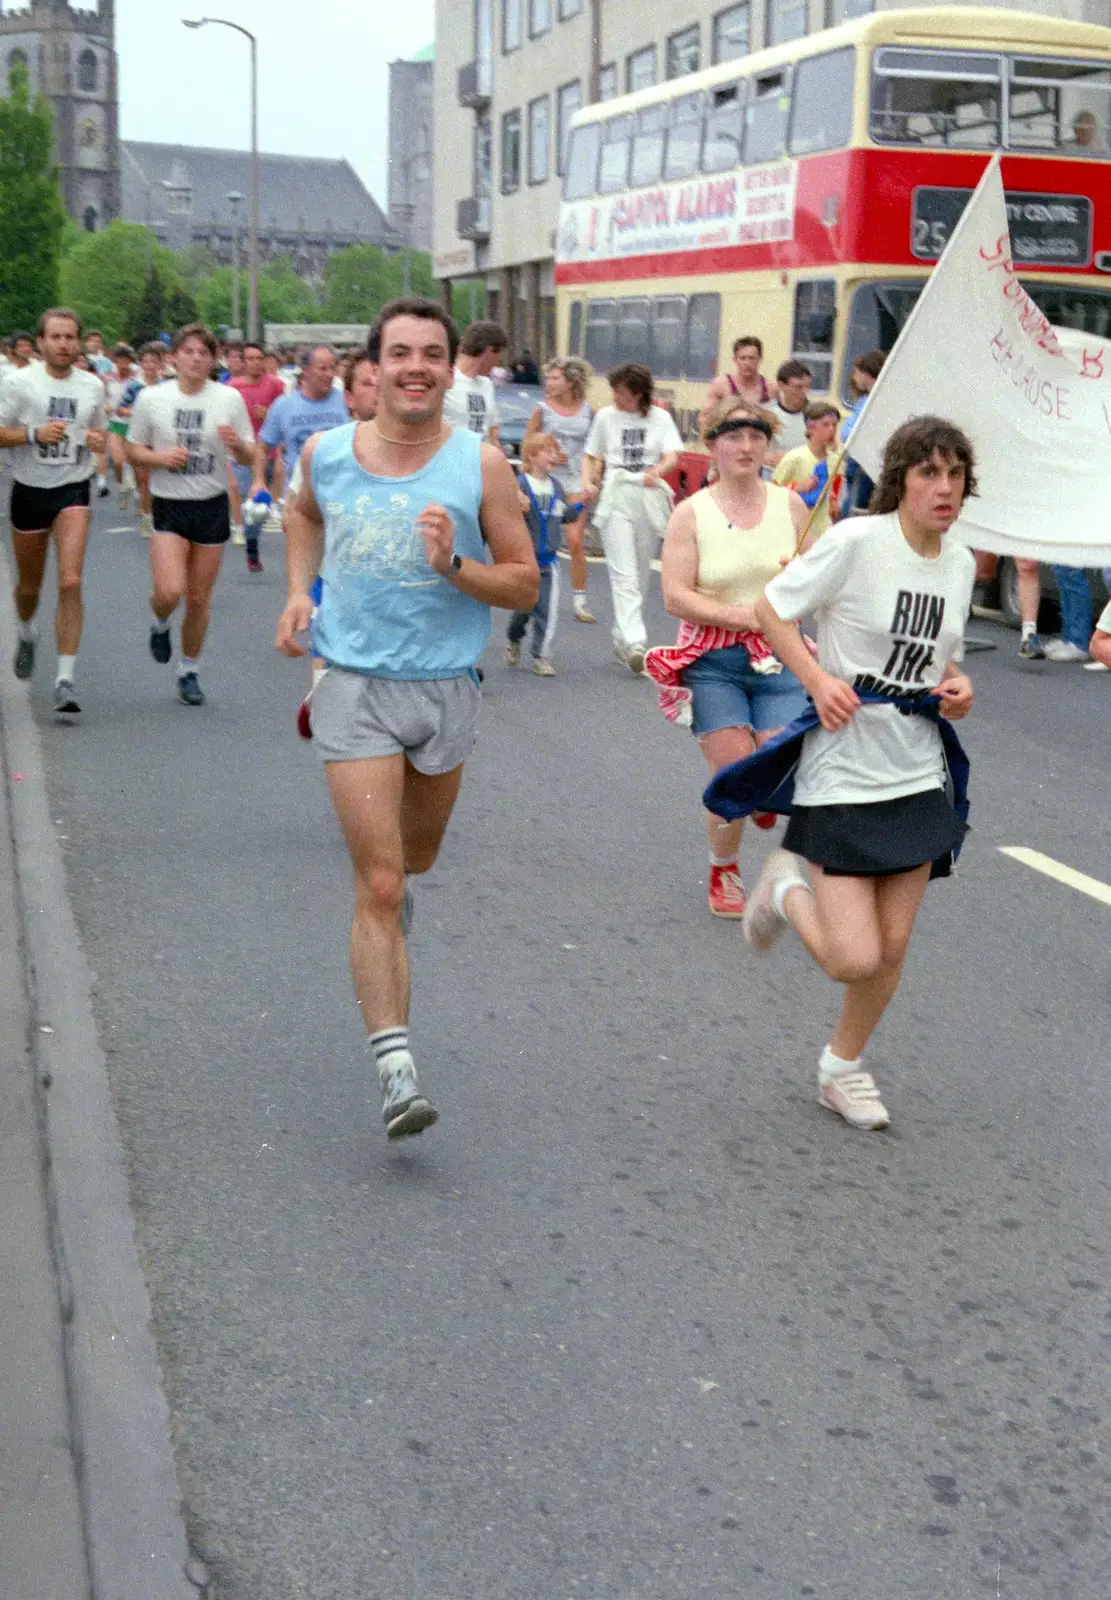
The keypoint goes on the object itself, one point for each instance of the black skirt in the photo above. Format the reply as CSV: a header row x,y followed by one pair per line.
x,y
878,838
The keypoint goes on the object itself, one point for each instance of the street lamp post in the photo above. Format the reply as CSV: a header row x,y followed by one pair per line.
x,y
235,200
252,238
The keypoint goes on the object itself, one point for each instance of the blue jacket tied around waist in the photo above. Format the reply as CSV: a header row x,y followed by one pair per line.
x,y
766,781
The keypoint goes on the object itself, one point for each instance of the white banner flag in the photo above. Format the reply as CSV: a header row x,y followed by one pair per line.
x,y
977,351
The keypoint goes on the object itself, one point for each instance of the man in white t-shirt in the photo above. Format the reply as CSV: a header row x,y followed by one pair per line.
x,y
636,444
871,815
471,401
184,432
52,416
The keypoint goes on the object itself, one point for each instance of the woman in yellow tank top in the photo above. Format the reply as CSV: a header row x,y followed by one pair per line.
x,y
722,546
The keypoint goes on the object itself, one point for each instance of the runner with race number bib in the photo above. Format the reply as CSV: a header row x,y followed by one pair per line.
x,y
52,416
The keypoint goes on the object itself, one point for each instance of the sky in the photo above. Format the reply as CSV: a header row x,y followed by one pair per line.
x,y
323,75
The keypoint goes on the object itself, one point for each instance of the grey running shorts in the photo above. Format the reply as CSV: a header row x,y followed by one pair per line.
x,y
433,721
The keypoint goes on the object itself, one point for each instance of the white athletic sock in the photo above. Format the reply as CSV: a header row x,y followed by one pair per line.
x,y
161,623
389,1047
317,674
1028,628
831,1066
28,630
578,599
185,665
780,893
67,666
723,861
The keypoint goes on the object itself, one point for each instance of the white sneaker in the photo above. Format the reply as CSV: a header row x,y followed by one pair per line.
x,y
634,658
1096,666
404,1109
762,922
512,653
146,524
1064,650
543,667
583,612
852,1095
237,535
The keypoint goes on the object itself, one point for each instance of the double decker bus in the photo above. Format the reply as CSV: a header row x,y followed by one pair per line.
x,y
803,193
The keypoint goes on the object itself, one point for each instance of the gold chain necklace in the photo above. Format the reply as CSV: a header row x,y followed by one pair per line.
x,y
412,443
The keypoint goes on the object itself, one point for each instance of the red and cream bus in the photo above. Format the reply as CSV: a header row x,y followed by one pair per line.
x,y
802,193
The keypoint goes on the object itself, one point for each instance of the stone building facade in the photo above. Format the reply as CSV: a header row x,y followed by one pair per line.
x,y
409,201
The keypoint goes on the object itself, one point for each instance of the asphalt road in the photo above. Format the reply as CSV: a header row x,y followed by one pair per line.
x,y
637,1320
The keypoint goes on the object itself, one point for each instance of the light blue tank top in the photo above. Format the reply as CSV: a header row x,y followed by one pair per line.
x,y
384,611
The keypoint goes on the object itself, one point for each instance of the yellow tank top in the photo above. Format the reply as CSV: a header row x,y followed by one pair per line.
x,y
734,564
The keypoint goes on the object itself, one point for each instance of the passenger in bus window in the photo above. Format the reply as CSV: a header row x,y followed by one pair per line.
x,y
793,381
1086,134
566,414
746,382
636,444
722,546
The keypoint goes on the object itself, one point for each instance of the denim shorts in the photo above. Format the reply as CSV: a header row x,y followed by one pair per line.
x,y
729,694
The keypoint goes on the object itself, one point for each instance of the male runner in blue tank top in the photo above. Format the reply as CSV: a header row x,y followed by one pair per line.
x,y
417,532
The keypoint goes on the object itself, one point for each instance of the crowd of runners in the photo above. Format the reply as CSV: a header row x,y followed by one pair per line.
x,y
406,525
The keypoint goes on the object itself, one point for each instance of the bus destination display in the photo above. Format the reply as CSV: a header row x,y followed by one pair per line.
x,y
1047,230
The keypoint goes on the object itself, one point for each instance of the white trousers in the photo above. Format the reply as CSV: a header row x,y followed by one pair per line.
x,y
629,545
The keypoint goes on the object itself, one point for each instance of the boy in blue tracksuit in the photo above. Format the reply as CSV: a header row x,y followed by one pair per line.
x,y
545,511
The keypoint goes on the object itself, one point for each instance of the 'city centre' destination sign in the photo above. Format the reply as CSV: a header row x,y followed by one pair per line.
x,y
1047,230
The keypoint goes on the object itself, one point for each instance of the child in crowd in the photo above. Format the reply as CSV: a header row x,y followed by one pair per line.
x,y
545,511
807,468
1099,648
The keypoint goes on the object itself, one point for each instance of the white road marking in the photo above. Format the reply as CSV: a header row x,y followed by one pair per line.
x,y
1056,869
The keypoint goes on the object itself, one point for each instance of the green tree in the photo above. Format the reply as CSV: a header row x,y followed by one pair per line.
x,y
123,281
358,281
282,296
32,216
468,300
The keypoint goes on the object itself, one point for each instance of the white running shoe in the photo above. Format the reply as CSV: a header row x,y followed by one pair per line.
x,y
543,667
237,535
1064,650
583,613
512,653
1095,666
854,1096
762,922
634,658
405,1110
146,524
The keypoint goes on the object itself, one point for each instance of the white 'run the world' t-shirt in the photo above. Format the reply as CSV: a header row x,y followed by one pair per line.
x,y
889,621
30,399
471,403
164,418
626,439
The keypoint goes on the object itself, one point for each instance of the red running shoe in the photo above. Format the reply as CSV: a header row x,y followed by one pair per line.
x,y
765,819
304,720
727,893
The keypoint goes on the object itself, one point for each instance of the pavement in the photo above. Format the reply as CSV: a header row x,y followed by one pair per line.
x,y
637,1320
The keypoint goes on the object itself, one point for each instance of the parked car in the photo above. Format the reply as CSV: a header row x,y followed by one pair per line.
x,y
516,403
1002,595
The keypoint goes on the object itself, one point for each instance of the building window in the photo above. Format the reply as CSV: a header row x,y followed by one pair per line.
x,y
841,10
512,25
89,218
87,70
483,157
569,9
539,118
18,58
640,69
568,101
607,82
786,20
510,152
684,52
539,17
732,34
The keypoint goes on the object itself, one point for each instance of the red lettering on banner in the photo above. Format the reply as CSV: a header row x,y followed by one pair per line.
x,y
1091,364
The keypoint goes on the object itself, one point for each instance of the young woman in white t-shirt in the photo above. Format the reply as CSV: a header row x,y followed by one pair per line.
x,y
566,414
890,595
636,444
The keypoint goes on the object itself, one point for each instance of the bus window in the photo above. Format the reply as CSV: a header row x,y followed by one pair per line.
x,y
822,102
935,97
684,138
669,315
582,162
600,334
632,330
1059,105
575,329
876,317
766,119
815,324
613,173
703,327
1086,310
648,146
725,121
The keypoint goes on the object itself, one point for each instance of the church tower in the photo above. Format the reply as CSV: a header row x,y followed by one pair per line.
x,y
68,47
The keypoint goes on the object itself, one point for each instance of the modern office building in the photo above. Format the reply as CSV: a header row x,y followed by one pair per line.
x,y
409,198
70,55
510,74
